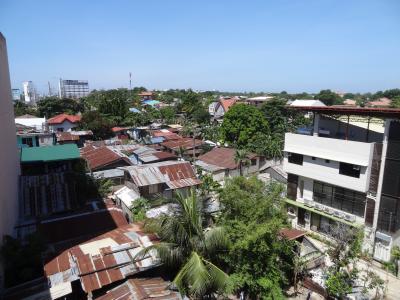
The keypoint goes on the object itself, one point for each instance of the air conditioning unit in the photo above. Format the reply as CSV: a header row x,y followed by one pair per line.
x,y
336,213
350,218
308,203
342,215
318,206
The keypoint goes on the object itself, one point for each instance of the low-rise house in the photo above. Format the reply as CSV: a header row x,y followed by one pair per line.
x,y
258,101
146,95
121,132
381,102
161,179
143,289
63,122
38,124
186,145
146,155
222,107
26,139
167,134
94,265
116,176
104,158
49,159
220,163
307,103
125,198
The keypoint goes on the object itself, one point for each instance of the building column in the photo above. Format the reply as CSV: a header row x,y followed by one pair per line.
x,y
316,124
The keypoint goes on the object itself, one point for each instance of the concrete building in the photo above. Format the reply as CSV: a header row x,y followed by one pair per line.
x,y
16,94
341,172
9,160
63,122
29,92
73,88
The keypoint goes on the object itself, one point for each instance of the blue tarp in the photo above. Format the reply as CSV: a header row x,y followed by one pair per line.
x,y
151,102
134,110
157,140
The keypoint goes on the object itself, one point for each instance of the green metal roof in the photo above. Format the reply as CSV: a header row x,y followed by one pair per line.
x,y
50,153
311,209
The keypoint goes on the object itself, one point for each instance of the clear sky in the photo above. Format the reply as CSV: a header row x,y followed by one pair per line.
x,y
206,44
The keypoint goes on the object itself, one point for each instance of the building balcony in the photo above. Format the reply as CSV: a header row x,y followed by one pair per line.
x,y
339,162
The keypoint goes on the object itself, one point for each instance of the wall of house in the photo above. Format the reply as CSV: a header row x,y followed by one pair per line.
x,y
65,126
9,158
219,111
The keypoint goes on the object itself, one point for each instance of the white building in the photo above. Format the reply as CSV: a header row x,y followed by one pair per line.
x,y
73,88
9,158
258,101
343,172
29,92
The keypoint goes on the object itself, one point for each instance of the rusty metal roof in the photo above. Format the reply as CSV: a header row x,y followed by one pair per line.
x,y
186,143
161,172
99,157
220,157
142,289
103,260
291,233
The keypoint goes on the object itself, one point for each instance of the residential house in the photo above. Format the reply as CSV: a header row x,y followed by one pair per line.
x,y
306,103
125,198
116,176
34,139
38,124
222,107
63,122
161,179
146,95
258,101
104,158
145,155
188,146
220,163
49,159
167,134
381,102
348,174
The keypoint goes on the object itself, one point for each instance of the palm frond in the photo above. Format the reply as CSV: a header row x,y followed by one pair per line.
x,y
215,239
166,252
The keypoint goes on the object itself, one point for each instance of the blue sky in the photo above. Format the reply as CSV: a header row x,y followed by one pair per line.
x,y
226,45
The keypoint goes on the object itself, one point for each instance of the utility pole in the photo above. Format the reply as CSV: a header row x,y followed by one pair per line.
x,y
48,82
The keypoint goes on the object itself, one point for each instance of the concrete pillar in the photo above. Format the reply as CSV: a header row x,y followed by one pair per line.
x,y
316,124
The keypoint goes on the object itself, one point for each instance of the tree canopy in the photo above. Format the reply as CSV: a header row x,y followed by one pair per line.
x,y
51,106
328,97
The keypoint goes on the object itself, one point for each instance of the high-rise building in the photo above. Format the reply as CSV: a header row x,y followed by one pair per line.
x,y
346,169
9,158
73,88
29,92
16,94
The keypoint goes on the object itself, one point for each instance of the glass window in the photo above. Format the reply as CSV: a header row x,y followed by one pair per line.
x,y
349,170
295,158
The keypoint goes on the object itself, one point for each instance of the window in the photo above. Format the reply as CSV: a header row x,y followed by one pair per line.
x,y
327,161
253,162
340,198
313,158
349,170
295,158
27,141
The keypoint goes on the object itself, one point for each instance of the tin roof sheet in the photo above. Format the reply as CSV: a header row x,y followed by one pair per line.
x,y
49,153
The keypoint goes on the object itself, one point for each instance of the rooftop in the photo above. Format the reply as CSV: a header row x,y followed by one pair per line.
x,y
186,143
49,153
227,103
62,118
360,111
221,157
98,157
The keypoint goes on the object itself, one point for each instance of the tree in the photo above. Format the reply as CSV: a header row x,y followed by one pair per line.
x,y
100,126
241,158
201,116
139,208
21,108
51,106
188,250
328,97
259,261
167,114
241,123
395,102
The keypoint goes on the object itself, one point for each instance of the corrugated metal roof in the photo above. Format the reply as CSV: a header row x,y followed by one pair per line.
x,y
49,153
142,289
186,143
102,260
103,156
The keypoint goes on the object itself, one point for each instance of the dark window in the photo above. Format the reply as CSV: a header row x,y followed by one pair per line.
x,y
327,161
295,158
313,158
349,170
27,141
253,161
340,198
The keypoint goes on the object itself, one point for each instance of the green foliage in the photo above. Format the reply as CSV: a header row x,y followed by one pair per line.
x,y
373,281
395,102
241,158
190,101
200,115
241,124
98,124
208,184
21,108
252,214
338,283
22,261
328,97
139,208
51,106
167,114
188,250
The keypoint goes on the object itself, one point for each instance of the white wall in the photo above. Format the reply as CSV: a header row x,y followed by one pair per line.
x,y
335,151
9,159
66,125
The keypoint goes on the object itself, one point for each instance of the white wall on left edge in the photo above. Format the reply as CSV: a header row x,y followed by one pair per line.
x,y
9,154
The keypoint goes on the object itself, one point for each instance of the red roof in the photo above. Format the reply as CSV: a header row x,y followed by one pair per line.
x,y
102,157
146,93
66,136
186,143
167,134
291,233
62,118
222,157
118,129
227,103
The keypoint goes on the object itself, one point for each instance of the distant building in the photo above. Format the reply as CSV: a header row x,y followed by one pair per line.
x,y
29,92
258,101
35,123
73,88
16,94
9,160
63,122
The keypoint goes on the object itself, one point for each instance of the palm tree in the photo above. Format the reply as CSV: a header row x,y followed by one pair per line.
x,y
241,159
187,246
